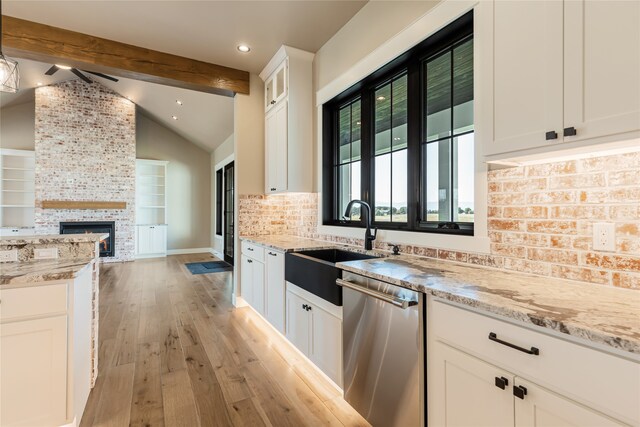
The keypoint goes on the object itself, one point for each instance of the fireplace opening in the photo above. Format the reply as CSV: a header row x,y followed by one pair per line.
x,y
107,246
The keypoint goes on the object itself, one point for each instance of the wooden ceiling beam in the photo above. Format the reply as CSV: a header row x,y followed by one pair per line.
x,y
44,43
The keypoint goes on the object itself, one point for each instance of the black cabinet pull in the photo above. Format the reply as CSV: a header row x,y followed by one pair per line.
x,y
552,134
494,337
273,189
519,391
272,254
250,249
502,382
305,307
570,131
249,261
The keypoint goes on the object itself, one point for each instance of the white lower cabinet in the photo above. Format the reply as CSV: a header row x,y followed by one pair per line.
x,y
45,352
314,326
252,283
483,371
151,240
274,289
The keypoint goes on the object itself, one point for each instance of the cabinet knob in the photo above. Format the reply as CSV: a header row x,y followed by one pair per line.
x,y
502,382
273,102
552,134
571,131
519,391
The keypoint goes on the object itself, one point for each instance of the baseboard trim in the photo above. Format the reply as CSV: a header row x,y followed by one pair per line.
x,y
217,254
188,251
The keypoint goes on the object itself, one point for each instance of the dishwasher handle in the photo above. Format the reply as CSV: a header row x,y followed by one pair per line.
x,y
398,302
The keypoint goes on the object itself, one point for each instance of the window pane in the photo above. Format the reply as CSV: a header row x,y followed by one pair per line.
x,y
463,88
437,188
355,130
437,74
399,113
399,186
355,189
345,134
463,178
383,119
382,205
344,188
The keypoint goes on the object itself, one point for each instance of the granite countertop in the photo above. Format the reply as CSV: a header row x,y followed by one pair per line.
x,y
600,314
22,273
289,243
52,238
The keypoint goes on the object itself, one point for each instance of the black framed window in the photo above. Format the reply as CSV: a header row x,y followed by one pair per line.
x,y
219,202
402,140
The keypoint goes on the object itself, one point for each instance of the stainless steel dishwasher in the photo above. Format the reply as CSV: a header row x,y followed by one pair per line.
x,y
383,351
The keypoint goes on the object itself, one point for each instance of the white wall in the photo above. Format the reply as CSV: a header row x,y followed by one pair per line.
x,y
188,182
17,126
220,157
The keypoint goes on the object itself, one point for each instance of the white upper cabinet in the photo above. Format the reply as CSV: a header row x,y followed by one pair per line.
x,y
288,121
559,75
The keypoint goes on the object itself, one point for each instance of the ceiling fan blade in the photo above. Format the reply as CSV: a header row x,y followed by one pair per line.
x,y
52,70
82,76
104,76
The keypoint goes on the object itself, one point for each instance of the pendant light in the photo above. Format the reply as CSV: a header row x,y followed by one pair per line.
x,y
9,75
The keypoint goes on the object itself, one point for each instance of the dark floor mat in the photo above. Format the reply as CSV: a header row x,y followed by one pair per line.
x,y
208,267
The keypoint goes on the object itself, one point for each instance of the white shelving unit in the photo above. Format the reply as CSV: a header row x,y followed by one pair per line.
x,y
17,192
151,208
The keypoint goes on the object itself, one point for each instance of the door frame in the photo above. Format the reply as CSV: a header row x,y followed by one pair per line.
x,y
216,238
230,165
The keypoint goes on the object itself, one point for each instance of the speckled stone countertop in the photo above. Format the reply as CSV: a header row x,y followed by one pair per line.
x,y
288,243
600,314
22,273
52,238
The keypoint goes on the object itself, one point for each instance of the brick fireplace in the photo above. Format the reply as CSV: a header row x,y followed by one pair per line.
x,y
85,146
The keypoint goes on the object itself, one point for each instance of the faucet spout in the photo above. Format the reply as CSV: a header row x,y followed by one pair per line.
x,y
368,236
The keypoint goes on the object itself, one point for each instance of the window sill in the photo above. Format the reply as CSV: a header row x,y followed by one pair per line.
x,y
478,244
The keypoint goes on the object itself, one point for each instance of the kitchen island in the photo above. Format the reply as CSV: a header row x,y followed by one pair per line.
x,y
49,329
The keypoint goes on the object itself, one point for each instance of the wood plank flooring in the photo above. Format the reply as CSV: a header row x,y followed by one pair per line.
x,y
175,352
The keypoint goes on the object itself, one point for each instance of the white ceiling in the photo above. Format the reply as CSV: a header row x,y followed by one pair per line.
x,y
204,119
205,30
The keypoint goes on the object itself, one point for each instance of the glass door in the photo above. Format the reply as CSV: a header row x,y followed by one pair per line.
x,y
228,213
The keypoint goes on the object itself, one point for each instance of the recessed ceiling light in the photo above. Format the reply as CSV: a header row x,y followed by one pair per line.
x,y
381,98
178,102
39,83
64,67
174,117
243,48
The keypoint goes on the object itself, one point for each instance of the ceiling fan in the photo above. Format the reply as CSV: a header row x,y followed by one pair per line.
x,y
55,68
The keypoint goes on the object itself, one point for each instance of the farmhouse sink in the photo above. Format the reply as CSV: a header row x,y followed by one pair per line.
x,y
315,271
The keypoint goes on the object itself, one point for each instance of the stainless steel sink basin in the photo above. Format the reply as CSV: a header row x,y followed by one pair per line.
x,y
316,271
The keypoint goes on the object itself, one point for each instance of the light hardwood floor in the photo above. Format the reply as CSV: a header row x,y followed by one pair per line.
x,y
175,352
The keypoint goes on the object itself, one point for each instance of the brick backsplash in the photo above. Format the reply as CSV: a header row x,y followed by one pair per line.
x,y
540,220
85,146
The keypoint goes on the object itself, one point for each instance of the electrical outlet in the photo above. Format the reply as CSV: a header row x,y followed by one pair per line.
x,y
46,253
8,256
604,236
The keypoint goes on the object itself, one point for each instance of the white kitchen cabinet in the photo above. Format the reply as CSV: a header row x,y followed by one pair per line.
x,y
45,352
314,326
151,240
275,289
34,375
543,408
12,231
298,322
470,392
275,87
252,283
288,121
567,384
276,148
564,75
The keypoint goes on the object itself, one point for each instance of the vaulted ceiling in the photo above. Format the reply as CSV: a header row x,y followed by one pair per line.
x,y
209,31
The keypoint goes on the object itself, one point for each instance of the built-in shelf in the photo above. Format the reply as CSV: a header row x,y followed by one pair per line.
x,y
151,208
17,183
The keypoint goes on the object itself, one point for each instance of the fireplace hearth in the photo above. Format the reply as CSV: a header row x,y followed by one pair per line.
x,y
107,246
